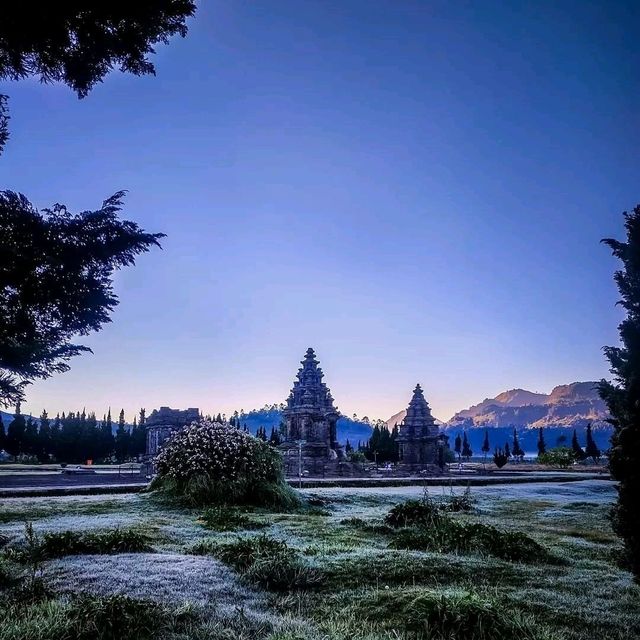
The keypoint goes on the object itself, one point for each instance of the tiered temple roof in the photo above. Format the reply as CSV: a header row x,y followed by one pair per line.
x,y
309,393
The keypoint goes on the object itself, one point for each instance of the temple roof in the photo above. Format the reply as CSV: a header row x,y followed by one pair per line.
x,y
418,422
309,392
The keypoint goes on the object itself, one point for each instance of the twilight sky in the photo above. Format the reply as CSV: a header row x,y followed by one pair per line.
x,y
415,189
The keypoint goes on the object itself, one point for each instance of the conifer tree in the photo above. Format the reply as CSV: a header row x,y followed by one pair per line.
x,y
122,439
45,445
517,452
219,418
458,446
542,447
577,449
486,447
143,417
3,434
347,447
507,450
591,450
466,448
14,444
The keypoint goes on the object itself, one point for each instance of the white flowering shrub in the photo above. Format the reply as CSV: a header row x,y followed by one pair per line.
x,y
213,463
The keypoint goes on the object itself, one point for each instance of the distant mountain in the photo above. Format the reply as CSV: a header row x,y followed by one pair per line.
x,y
271,416
570,406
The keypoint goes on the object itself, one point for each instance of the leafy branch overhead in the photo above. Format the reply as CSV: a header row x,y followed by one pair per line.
x,y
56,283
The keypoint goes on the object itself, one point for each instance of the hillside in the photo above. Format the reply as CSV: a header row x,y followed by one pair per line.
x,y
567,406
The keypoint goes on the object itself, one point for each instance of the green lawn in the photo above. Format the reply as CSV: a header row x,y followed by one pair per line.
x,y
328,572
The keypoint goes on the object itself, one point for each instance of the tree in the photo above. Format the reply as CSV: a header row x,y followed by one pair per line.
x,y
591,450
485,445
577,449
14,443
466,448
622,394
517,451
30,446
542,447
56,283
122,444
143,417
3,434
507,450
458,446
78,43
500,458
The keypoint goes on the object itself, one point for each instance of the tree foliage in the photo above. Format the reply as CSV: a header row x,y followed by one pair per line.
x,y
623,394
78,43
56,272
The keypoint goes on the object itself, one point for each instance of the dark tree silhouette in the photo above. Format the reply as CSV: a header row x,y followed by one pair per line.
x,y
486,447
500,458
56,283
78,43
622,395
458,445
542,447
591,450
466,447
517,451
14,442
575,446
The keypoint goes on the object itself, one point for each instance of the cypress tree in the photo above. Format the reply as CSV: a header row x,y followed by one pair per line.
x,y
143,417
45,447
542,447
517,452
466,448
122,439
591,450
577,449
622,395
458,446
485,445
14,442
507,450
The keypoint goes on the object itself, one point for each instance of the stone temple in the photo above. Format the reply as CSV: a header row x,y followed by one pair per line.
x,y
419,441
163,422
310,420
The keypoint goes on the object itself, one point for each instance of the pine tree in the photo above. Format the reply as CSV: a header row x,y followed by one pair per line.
x,y
143,418
622,395
45,447
542,447
486,447
507,450
577,449
347,447
14,443
591,450
219,418
466,448
458,446
122,445
517,452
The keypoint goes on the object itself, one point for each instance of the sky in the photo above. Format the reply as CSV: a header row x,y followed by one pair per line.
x,y
415,189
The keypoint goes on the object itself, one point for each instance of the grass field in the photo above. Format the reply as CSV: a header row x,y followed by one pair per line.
x,y
327,572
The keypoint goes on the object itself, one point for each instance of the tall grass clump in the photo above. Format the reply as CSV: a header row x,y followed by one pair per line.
x,y
209,463
72,543
445,614
264,561
224,518
88,618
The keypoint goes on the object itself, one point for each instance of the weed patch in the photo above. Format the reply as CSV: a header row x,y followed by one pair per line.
x,y
222,518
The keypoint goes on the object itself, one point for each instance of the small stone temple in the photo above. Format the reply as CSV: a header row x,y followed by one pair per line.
x,y
163,422
310,421
419,441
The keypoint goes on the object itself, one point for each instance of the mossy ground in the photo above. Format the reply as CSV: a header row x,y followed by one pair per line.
x,y
368,591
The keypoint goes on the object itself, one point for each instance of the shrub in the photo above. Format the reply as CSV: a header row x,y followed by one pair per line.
x,y
223,518
264,561
210,463
88,618
442,615
448,536
500,458
69,543
424,512
562,457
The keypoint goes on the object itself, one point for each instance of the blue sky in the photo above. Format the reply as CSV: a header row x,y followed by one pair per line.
x,y
415,189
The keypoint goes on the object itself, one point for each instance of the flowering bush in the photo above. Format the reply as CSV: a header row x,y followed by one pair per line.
x,y
213,463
